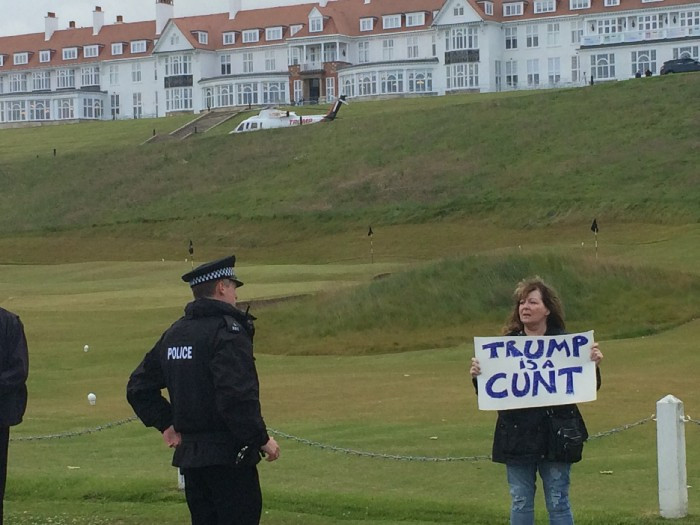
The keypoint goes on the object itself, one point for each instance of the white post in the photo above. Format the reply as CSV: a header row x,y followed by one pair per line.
x,y
670,447
180,480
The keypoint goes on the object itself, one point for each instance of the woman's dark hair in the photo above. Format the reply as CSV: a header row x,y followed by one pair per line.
x,y
550,298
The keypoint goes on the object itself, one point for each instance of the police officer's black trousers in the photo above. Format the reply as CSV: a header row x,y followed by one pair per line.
x,y
4,441
223,495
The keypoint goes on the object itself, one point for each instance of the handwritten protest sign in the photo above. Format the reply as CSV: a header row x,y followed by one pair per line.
x,y
526,371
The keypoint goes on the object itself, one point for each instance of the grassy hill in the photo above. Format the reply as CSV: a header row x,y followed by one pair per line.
x,y
626,151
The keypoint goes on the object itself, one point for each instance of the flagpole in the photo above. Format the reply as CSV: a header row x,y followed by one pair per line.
x,y
370,234
596,245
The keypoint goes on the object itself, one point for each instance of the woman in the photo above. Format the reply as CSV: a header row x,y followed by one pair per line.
x,y
526,439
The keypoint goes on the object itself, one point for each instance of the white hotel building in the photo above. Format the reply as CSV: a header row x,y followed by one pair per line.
x,y
317,51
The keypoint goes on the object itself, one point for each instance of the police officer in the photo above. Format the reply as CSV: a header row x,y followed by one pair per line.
x,y
213,419
14,369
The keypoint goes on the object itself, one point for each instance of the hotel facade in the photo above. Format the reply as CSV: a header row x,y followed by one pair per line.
x,y
314,52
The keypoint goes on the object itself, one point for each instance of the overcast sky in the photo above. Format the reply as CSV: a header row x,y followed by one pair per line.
x,y
27,16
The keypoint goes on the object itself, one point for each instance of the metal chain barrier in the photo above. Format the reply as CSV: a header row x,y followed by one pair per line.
x,y
623,427
689,419
77,433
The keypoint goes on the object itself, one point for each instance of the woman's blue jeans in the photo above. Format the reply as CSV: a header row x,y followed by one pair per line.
x,y
555,480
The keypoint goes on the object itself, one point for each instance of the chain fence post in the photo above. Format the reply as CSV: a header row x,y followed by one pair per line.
x,y
670,448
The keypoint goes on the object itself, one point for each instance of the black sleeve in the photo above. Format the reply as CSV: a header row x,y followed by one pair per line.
x,y
598,378
143,392
14,359
237,390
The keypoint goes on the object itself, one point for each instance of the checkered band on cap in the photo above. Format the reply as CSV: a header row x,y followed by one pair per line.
x,y
221,273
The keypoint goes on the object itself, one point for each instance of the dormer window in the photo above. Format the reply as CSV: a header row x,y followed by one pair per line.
x,y
611,3
203,37
118,48
488,8
20,58
229,38
90,51
579,4
273,33
514,8
415,19
293,30
70,53
45,56
138,46
2,63
251,35
545,6
391,21
315,24
366,24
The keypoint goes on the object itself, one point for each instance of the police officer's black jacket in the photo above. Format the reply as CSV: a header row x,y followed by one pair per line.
x,y
14,368
205,360
525,435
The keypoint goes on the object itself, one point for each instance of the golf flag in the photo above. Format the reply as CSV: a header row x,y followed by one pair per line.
x,y
594,226
370,232
191,250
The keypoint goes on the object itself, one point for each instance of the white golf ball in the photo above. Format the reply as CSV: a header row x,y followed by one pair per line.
x,y
86,348
92,398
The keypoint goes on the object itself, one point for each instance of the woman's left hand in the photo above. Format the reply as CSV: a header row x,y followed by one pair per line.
x,y
596,354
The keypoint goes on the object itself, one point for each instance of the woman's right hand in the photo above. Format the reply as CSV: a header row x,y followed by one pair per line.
x,y
475,369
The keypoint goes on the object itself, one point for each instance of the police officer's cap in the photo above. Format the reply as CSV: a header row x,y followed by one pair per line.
x,y
213,271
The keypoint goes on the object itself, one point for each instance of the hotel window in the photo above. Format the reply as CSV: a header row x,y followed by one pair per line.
x,y
488,8
40,110
533,72
532,37
18,83
545,6
689,18
44,56
511,37
603,66
611,3
513,9
2,63
579,4
391,21
70,53
330,88
608,26
315,24
412,49
42,81
643,61
554,70
20,58
90,76
136,72
682,52
512,74
273,33
138,46
366,24
247,62
269,60
462,76
203,38
458,10
113,75
178,65
293,30
388,49
65,78
576,31
363,52
575,68
415,19
251,35
225,64
229,38
553,34
90,51
118,48
65,108
136,105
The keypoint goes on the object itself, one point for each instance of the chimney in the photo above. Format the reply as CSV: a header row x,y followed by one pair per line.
x,y
234,6
98,20
120,19
164,12
71,24
322,3
50,25
368,1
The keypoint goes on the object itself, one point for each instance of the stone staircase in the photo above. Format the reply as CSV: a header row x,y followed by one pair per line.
x,y
201,124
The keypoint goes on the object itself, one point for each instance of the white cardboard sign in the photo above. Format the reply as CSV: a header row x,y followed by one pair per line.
x,y
534,371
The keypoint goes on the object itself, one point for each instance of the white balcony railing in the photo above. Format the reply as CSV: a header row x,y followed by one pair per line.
x,y
639,36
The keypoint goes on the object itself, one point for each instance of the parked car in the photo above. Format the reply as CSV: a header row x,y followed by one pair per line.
x,y
680,65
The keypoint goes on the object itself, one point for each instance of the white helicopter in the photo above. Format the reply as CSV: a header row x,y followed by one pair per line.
x,y
276,118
